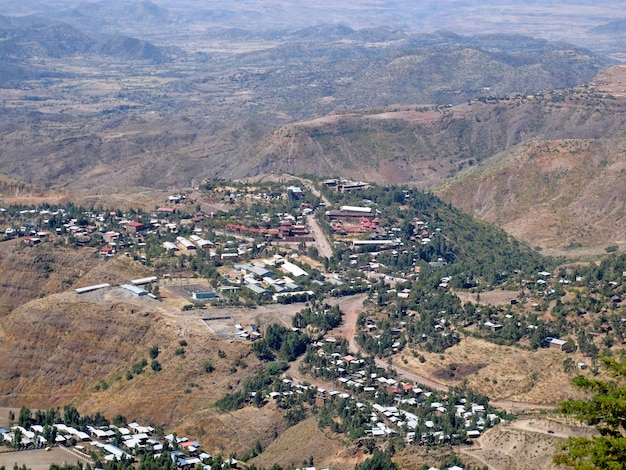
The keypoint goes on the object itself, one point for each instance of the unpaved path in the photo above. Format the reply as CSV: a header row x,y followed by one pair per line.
x,y
473,452
351,310
322,241
413,377
557,428
521,406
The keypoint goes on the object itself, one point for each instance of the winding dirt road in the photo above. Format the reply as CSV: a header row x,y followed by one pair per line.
x,y
351,310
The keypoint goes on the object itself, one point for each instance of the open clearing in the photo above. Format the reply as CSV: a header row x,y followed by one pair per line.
x,y
523,444
38,459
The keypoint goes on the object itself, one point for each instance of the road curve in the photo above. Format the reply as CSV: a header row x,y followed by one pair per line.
x,y
349,328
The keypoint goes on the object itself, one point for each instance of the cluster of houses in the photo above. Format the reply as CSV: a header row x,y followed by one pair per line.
x,y
29,230
350,220
288,231
351,374
194,242
114,443
262,278
112,227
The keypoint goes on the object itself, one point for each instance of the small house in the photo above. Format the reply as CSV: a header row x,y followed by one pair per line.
x,y
134,227
554,343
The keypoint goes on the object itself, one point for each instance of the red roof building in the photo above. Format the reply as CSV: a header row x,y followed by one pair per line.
x,y
135,227
106,250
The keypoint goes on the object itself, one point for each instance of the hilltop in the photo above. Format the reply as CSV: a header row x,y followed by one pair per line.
x,y
113,111
64,348
424,145
494,157
559,191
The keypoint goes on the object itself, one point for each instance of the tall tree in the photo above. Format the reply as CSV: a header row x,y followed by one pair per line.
x,y
607,411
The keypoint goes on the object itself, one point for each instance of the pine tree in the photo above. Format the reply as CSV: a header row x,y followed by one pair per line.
x,y
607,411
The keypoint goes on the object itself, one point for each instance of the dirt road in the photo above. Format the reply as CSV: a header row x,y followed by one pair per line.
x,y
554,428
351,310
413,377
321,239
521,406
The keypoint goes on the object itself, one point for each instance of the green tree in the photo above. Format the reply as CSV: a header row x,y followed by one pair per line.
x,y
71,416
17,438
208,366
568,365
606,410
25,419
379,461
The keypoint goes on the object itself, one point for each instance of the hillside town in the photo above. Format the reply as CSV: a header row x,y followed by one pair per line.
x,y
228,244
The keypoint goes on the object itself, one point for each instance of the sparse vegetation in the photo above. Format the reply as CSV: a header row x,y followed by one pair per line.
x,y
429,308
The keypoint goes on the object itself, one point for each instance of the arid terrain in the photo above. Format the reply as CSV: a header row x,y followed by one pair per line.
x,y
512,112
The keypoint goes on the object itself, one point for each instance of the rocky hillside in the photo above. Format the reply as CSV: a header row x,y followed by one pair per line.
x,y
563,194
27,42
562,191
427,144
119,114
548,167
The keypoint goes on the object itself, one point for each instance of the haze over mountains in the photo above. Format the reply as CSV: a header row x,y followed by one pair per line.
x,y
572,21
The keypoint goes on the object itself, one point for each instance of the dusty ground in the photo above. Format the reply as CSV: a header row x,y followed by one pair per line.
x,y
502,372
494,297
613,81
303,441
38,459
523,444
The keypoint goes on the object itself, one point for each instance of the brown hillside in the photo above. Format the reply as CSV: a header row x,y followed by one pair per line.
x,y
29,272
425,145
553,194
565,192
303,441
11,187
70,348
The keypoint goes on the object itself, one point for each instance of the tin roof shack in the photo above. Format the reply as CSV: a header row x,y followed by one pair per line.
x,y
492,326
347,186
169,246
203,295
258,290
350,211
138,291
201,242
143,281
554,343
185,244
293,269
83,290
295,192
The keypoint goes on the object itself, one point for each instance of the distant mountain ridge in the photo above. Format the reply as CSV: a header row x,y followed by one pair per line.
x,y
29,38
426,144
